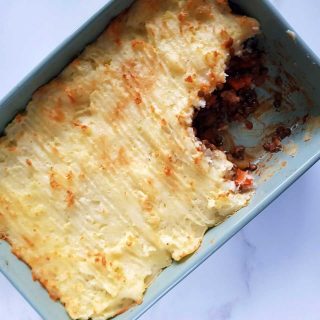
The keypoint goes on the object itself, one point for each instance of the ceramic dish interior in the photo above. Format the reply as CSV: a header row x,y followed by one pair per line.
x,y
286,56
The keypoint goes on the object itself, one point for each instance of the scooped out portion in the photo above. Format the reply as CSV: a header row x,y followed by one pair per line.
x,y
103,181
236,101
233,101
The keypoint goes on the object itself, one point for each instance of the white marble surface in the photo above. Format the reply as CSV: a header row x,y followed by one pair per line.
x,y
270,270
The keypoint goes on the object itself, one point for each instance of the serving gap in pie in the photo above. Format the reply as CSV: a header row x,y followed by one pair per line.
x,y
234,103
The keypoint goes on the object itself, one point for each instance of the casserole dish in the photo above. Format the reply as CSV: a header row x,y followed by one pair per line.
x,y
226,230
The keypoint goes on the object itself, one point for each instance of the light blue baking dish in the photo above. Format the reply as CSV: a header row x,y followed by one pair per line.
x,y
300,71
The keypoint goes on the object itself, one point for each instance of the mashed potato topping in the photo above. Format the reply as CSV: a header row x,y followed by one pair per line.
x,y
103,182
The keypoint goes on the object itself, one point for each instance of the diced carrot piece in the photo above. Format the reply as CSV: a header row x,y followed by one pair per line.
x,y
243,179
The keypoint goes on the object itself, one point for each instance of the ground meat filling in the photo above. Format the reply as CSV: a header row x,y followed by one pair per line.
x,y
275,144
234,101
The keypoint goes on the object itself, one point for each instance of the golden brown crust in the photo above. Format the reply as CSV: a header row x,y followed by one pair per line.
x,y
102,182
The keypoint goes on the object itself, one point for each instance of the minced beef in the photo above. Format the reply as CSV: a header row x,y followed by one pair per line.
x,y
233,101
